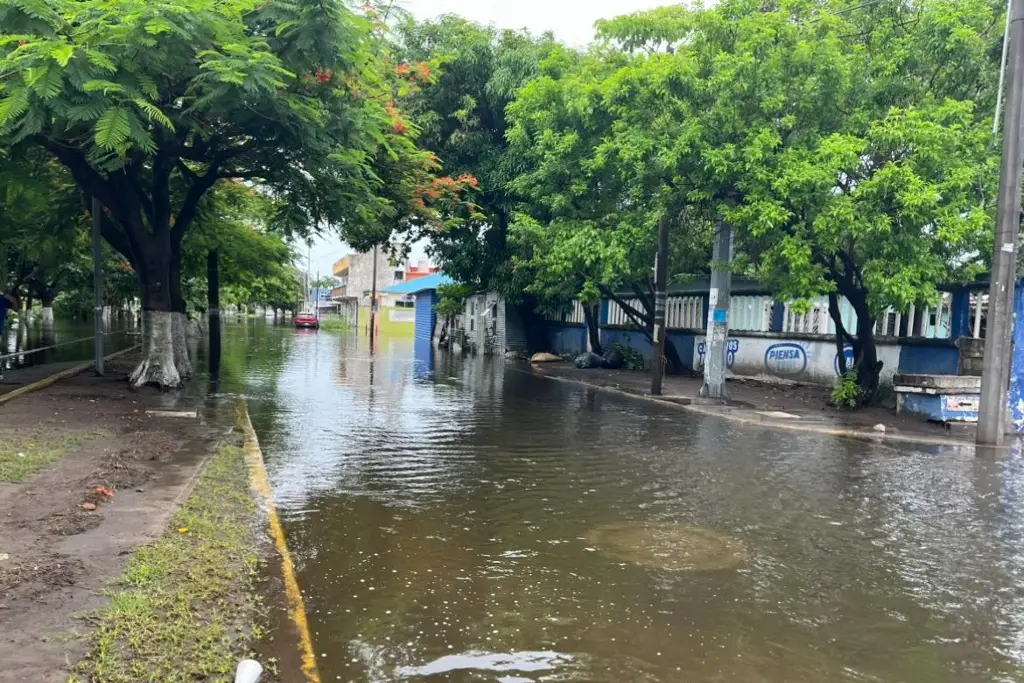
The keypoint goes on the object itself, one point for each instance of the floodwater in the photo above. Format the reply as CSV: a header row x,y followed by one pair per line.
x,y
463,520
67,340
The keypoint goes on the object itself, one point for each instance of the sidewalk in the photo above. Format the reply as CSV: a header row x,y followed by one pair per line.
x,y
799,407
20,377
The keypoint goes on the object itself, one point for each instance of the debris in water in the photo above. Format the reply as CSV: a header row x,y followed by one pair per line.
x,y
666,545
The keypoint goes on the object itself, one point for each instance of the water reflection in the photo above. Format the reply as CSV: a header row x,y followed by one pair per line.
x,y
440,508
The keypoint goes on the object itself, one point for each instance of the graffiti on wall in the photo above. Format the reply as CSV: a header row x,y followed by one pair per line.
x,y
732,347
787,359
848,352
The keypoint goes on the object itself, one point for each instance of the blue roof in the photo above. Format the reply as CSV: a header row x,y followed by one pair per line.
x,y
420,284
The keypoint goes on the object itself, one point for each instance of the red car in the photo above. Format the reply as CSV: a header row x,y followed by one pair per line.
x,y
307,320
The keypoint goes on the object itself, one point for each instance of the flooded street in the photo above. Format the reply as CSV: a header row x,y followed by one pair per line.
x,y
462,520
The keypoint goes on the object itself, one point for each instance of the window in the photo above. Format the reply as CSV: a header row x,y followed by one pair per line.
x,y
399,276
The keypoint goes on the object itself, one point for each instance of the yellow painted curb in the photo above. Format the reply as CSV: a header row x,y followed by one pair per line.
x,y
861,435
296,606
57,376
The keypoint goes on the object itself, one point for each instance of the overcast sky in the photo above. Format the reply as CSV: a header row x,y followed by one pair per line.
x,y
572,21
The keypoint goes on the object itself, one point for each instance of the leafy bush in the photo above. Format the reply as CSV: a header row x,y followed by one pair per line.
x,y
847,392
333,324
631,358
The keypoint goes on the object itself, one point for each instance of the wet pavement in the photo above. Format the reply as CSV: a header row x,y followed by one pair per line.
x,y
460,520
63,345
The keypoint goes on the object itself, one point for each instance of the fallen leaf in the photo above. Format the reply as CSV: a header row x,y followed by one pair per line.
x,y
89,506
105,492
183,530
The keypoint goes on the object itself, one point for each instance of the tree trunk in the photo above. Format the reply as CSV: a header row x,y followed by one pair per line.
x,y
179,318
865,352
591,313
158,364
47,314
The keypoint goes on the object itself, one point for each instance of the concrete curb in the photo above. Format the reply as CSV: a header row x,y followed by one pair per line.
x,y
260,481
57,376
861,435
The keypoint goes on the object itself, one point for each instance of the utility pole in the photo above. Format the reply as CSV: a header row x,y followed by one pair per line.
x,y
97,281
373,296
660,300
718,314
995,368
213,306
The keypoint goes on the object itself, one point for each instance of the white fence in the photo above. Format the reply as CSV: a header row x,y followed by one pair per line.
x,y
753,313
924,322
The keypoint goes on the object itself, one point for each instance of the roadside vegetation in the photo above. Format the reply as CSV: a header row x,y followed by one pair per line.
x,y
185,608
333,324
22,455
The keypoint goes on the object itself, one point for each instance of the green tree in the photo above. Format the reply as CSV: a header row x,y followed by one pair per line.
x,y
151,104
460,113
859,148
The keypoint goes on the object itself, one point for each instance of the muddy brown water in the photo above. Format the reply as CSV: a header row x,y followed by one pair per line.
x,y
446,515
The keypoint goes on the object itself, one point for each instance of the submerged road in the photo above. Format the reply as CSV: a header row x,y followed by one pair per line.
x,y
458,520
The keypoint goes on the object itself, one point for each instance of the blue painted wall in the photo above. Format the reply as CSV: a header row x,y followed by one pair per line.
x,y
565,338
1016,395
929,359
682,342
426,315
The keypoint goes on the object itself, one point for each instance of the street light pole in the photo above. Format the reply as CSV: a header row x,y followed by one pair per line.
x,y
660,301
995,368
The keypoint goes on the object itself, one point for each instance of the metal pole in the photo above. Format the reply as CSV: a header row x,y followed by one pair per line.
x,y
716,342
213,305
97,281
995,368
660,298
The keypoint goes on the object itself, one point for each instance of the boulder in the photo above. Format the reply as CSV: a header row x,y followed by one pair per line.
x,y
545,358
589,360
613,359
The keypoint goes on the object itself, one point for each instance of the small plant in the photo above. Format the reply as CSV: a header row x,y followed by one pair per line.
x,y
333,324
631,358
847,392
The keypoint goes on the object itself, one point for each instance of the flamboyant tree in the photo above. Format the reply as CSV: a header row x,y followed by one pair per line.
x,y
460,113
151,104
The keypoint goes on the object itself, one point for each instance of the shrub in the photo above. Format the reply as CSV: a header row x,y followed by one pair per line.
x,y
631,358
847,393
333,324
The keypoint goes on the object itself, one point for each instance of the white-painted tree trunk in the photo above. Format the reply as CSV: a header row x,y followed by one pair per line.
x,y
47,316
157,366
179,333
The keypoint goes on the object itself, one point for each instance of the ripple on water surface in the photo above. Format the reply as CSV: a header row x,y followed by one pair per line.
x,y
457,520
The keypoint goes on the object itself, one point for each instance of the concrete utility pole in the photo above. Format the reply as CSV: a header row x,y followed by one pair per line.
x,y
660,299
213,306
718,314
373,295
97,281
995,368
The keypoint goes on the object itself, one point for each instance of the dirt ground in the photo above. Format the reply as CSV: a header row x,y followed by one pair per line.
x,y
66,530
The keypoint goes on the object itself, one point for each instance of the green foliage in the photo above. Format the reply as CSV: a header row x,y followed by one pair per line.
x,y
631,358
334,324
847,392
452,299
461,115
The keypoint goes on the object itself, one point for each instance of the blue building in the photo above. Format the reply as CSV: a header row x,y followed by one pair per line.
x,y
425,291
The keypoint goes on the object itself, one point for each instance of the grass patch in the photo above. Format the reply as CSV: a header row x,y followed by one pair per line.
x,y
334,324
22,455
184,608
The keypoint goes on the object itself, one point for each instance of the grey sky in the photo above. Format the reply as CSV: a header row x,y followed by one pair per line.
x,y
572,21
